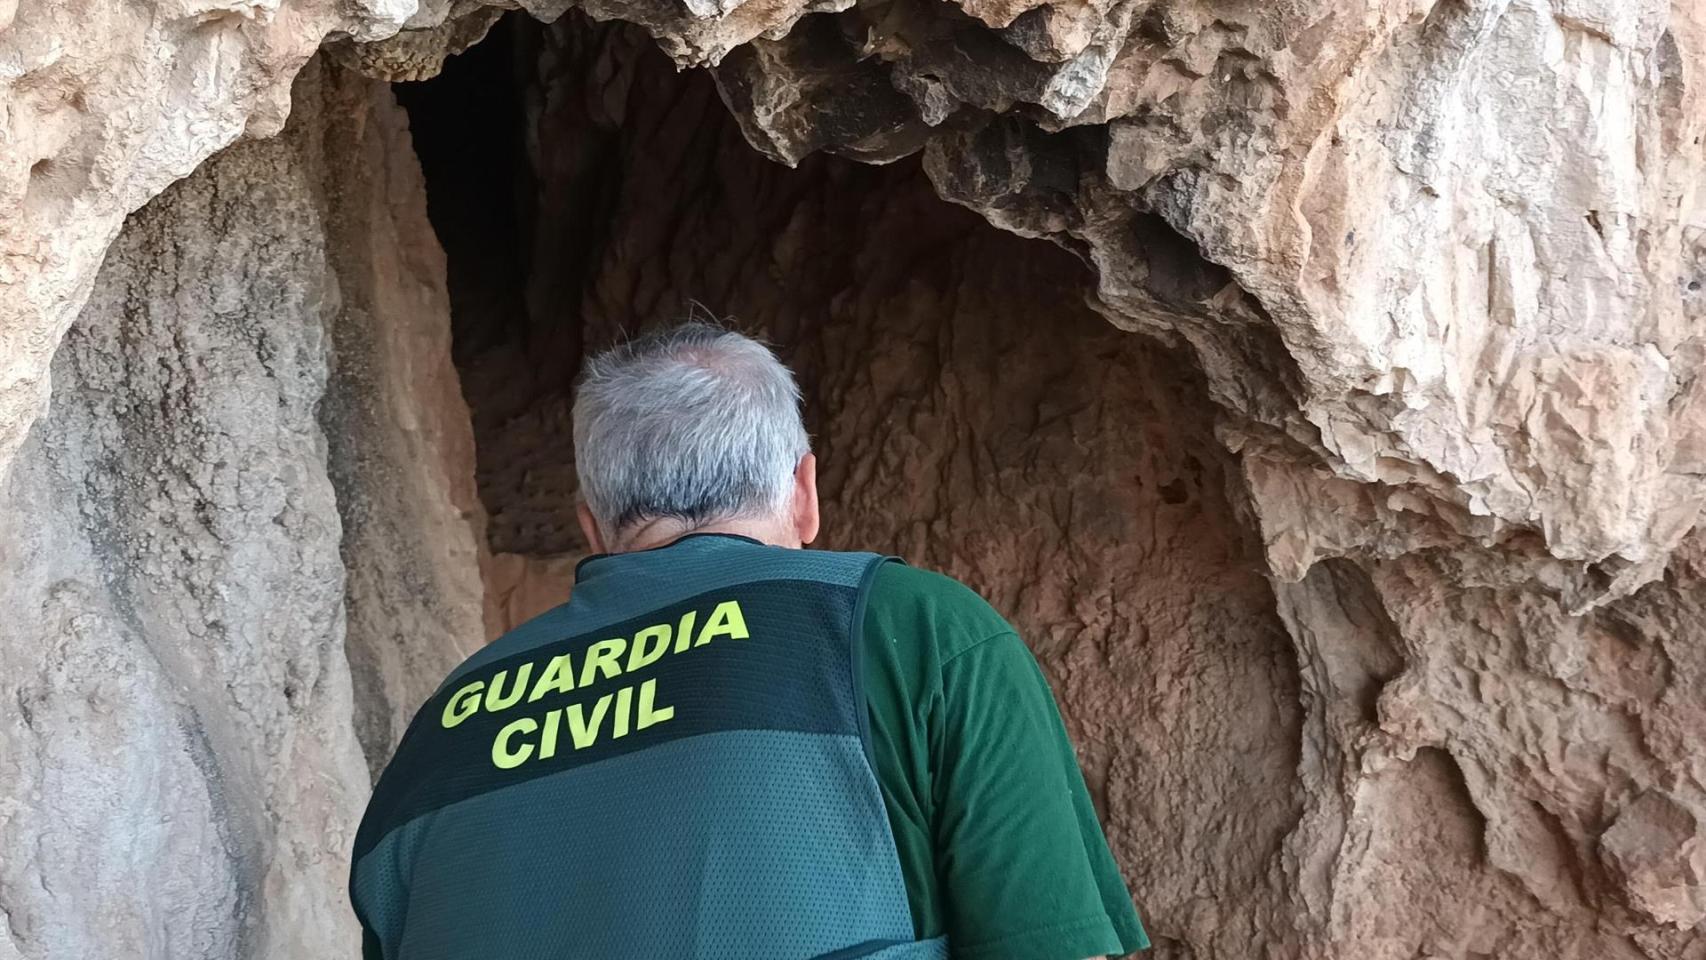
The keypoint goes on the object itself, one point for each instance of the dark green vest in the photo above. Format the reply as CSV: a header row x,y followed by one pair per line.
x,y
674,764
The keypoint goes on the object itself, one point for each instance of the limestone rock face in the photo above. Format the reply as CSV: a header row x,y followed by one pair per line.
x,y
107,104
1472,752
1369,577
1449,246
183,759
1438,260
400,448
221,601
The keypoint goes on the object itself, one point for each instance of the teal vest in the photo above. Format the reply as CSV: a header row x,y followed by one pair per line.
x,y
673,764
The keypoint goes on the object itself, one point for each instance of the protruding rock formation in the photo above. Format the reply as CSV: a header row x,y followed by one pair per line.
x,y
1367,572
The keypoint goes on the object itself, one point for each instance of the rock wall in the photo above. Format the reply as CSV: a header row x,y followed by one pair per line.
x,y
1471,752
222,599
1435,264
1437,258
399,444
1449,245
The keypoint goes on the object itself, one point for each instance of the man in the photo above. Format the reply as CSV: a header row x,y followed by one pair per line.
x,y
725,746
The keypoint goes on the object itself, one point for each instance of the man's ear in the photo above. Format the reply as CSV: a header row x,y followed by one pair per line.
x,y
806,516
589,529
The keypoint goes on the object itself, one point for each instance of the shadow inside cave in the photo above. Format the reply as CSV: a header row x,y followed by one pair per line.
x,y
970,411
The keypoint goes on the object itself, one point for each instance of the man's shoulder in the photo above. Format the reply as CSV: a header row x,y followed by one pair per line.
x,y
902,582
912,603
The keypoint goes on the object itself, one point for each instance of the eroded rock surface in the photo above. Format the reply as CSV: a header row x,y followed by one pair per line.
x,y
1437,267
1472,751
1438,260
239,550
400,448
1449,246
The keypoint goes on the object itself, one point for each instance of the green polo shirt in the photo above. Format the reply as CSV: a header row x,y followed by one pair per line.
x,y
998,839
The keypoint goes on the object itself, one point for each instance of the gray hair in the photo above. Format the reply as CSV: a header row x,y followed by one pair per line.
x,y
695,423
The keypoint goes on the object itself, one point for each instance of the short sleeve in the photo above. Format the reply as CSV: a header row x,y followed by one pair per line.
x,y
1023,866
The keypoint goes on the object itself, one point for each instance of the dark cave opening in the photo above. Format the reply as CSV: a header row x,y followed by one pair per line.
x,y
971,413
583,189
467,128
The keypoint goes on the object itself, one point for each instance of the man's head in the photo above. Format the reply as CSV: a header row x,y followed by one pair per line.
x,y
693,428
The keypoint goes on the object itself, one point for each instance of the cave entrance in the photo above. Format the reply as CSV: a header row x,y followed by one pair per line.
x,y
583,189
962,397
971,413
249,506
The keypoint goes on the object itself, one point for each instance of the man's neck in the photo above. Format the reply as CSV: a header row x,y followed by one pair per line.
x,y
657,533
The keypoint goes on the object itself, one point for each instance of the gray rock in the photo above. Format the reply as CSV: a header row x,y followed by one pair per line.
x,y
193,564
